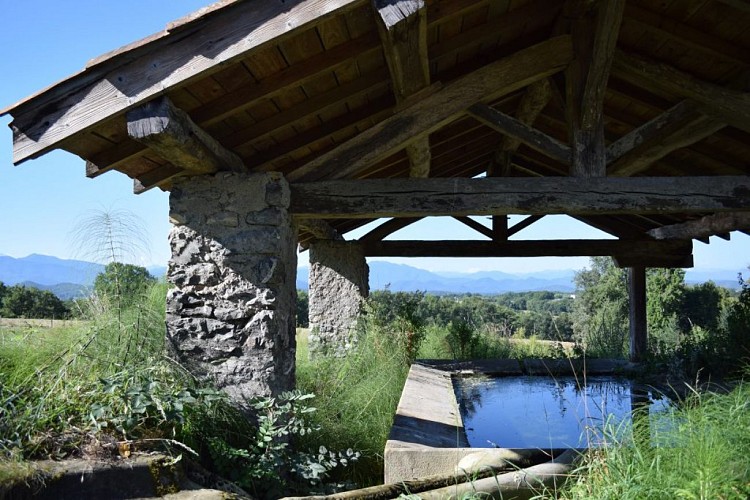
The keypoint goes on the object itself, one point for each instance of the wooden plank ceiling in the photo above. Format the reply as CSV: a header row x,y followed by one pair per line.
x,y
446,88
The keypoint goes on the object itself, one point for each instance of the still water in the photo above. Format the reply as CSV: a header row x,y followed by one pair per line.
x,y
547,412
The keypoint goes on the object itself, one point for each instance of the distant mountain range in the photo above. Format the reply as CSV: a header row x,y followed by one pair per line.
x,y
74,278
65,278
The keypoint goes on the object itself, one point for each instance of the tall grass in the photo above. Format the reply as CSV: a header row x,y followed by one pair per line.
x,y
356,398
700,452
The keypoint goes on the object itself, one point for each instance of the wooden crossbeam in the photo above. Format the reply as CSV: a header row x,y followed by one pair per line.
x,y
520,226
403,33
476,226
678,127
522,132
170,133
530,248
594,28
517,195
114,87
429,114
710,225
721,103
389,227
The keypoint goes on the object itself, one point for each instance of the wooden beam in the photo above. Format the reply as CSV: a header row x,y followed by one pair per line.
x,y
156,177
476,226
387,228
678,127
121,83
518,130
489,82
320,229
518,195
402,25
721,103
170,133
530,248
709,225
637,305
520,226
594,27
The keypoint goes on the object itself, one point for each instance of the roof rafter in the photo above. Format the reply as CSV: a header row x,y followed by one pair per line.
x,y
117,85
437,109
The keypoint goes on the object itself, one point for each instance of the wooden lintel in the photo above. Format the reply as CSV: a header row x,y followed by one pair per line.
x,y
641,249
432,112
709,225
678,127
478,227
723,104
594,27
171,134
522,132
120,83
388,227
374,198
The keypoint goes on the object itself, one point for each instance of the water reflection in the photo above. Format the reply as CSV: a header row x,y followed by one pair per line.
x,y
539,411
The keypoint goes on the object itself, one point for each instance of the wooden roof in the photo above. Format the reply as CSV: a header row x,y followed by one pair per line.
x,y
332,89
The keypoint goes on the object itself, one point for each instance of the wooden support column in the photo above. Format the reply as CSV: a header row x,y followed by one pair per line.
x,y
638,325
594,27
402,25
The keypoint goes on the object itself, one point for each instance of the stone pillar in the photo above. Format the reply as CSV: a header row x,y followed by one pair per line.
x,y
231,311
338,288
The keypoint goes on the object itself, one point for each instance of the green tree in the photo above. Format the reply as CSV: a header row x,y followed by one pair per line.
x,y
702,306
3,291
123,282
303,312
600,312
24,302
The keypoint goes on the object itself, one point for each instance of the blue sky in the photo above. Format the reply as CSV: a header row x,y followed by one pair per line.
x,y
42,200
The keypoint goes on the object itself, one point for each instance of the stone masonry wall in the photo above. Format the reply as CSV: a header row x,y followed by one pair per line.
x,y
231,311
338,287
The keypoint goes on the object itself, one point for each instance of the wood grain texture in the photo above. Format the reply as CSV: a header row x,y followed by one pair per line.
x,y
723,104
171,134
80,103
546,195
435,110
522,132
710,225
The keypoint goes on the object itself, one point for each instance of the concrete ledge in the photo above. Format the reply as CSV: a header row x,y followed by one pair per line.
x,y
428,437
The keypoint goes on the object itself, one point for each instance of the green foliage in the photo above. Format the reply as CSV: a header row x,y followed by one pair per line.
x,y
702,453
303,306
665,289
399,319
600,317
122,283
19,301
738,326
267,465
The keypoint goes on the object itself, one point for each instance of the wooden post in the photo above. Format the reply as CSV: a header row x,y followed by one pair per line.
x,y
638,327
